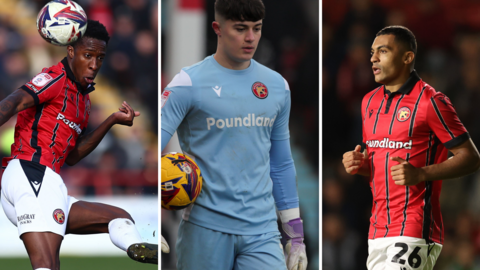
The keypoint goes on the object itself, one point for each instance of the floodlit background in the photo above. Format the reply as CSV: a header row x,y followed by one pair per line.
x,y
289,45
123,170
448,36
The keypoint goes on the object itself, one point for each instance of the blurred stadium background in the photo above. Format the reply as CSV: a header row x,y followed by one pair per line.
x,y
289,45
448,36
123,170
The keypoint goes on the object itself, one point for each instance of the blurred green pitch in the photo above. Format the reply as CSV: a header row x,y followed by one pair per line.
x,y
82,263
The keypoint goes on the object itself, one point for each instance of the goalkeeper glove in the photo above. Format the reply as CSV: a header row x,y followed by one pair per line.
x,y
165,247
295,255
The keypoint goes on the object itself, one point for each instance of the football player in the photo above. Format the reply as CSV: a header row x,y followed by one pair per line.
x,y
53,111
231,114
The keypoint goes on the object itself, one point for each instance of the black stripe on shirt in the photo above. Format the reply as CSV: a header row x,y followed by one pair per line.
x,y
50,84
78,94
427,209
414,114
372,167
387,195
376,118
440,117
65,100
54,135
34,141
395,114
68,143
407,193
368,103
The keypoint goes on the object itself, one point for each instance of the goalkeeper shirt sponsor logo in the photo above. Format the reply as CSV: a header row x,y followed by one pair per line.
x,y
248,121
386,143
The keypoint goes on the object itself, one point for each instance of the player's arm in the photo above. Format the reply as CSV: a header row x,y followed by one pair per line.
x,y
356,162
17,101
283,175
87,143
465,160
166,136
444,122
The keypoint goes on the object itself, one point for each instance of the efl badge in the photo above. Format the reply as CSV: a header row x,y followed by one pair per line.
x,y
403,114
59,216
260,90
165,96
41,79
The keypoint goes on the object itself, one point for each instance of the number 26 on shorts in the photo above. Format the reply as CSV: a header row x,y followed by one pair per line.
x,y
414,259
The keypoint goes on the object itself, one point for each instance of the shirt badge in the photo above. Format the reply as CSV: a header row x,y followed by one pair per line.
x,y
260,90
403,114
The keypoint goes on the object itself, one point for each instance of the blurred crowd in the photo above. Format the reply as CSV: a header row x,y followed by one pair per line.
x,y
126,161
290,47
448,37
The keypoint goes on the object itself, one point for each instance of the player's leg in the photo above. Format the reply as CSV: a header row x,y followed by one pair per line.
x,y
200,248
257,252
435,250
377,254
92,218
33,198
43,249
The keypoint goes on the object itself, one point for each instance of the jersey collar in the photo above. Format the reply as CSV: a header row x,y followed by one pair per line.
x,y
407,87
70,75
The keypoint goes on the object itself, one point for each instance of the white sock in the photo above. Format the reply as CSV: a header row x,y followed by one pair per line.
x,y
123,233
42,269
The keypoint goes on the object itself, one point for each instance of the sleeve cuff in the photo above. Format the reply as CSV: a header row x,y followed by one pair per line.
x,y
29,91
457,141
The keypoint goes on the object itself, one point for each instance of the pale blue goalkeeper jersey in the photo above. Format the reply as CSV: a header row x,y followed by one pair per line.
x,y
225,120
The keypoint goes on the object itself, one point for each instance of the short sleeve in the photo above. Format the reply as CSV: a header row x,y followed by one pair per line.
x,y
45,86
176,102
280,128
444,122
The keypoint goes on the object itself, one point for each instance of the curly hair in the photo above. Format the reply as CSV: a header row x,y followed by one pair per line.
x,y
95,30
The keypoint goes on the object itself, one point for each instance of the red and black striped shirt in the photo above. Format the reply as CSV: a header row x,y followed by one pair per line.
x,y
47,132
417,124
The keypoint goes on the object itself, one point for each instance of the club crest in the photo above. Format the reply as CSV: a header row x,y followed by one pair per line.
x,y
403,114
59,216
260,90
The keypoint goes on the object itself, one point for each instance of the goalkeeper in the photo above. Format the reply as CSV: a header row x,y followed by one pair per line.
x,y
231,114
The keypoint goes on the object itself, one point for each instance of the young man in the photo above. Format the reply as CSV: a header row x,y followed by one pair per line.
x,y
53,111
408,129
231,114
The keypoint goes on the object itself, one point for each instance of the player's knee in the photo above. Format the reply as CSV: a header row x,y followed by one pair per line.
x,y
44,261
120,213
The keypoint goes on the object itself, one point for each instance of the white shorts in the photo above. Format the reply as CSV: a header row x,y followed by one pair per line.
x,y
34,198
402,252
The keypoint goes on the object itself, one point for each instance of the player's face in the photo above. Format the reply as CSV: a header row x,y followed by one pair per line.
x,y
87,58
240,39
388,66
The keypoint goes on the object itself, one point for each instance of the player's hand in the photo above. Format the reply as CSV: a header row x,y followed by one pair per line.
x,y
125,115
165,247
353,160
295,254
406,174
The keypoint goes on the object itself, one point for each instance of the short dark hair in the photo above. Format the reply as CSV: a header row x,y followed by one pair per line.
x,y
240,10
95,30
402,35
